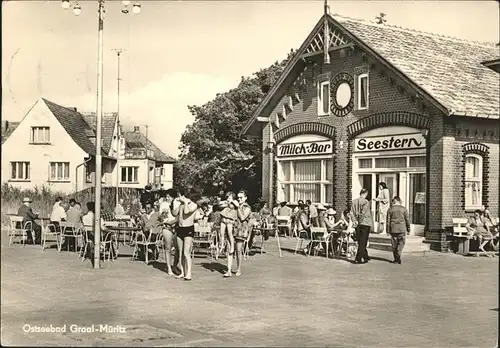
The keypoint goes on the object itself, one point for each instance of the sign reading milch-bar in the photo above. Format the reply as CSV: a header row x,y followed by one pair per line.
x,y
312,148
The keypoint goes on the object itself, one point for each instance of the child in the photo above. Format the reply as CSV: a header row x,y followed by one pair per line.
x,y
228,218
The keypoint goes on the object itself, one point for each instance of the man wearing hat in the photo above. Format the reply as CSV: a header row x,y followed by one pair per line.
x,y
321,215
28,216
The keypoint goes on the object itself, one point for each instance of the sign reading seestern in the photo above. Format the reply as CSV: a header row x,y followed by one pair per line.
x,y
311,148
390,142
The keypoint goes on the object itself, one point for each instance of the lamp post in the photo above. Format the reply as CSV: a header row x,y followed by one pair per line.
x,y
136,9
270,147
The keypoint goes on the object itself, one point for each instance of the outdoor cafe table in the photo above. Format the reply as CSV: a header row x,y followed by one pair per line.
x,y
263,231
125,230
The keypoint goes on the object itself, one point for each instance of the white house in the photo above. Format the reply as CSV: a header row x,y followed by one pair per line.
x,y
55,146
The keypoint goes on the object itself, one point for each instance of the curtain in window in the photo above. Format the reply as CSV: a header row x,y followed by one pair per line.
x,y
472,168
307,170
364,163
284,171
390,162
329,170
14,170
284,192
53,171
472,194
307,191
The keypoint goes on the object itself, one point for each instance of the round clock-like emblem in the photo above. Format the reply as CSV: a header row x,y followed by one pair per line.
x,y
342,94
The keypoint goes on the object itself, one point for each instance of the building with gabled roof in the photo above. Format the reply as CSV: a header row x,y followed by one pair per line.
x,y
55,146
379,103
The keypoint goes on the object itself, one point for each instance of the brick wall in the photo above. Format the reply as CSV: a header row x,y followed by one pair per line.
x,y
388,96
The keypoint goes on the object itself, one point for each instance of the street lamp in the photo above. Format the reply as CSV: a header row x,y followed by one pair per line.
x,y
66,4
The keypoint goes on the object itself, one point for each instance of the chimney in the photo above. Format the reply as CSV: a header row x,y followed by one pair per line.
x,y
136,129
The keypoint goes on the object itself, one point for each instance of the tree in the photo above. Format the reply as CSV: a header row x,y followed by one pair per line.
x,y
213,157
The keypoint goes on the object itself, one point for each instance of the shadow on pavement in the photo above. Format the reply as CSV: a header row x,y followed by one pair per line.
x,y
214,266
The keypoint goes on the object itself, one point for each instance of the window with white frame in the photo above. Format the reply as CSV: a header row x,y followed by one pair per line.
x,y
306,179
129,174
324,98
59,171
362,92
473,181
40,135
20,170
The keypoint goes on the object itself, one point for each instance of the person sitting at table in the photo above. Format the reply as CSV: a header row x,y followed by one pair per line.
x,y
119,210
58,214
26,212
74,214
321,215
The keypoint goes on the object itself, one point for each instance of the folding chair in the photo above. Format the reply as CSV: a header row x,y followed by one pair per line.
x,y
21,231
302,235
284,223
69,230
202,236
146,243
319,236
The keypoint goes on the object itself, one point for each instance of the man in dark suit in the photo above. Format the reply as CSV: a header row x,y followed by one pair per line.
x,y
362,216
398,226
28,216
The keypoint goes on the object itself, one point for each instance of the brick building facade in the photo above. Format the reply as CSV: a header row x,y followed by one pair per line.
x,y
418,111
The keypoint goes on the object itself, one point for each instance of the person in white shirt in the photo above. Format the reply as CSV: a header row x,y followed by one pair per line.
x,y
58,213
119,210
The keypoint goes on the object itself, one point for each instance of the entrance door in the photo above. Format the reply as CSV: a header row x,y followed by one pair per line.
x,y
390,180
417,201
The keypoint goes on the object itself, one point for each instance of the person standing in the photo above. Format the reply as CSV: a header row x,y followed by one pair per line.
x,y
185,232
313,213
168,221
398,226
383,199
362,217
241,230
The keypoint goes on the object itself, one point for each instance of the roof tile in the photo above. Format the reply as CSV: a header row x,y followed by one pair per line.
x,y
449,69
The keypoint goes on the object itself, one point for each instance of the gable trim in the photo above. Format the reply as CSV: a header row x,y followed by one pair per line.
x,y
403,118
303,128
286,72
299,57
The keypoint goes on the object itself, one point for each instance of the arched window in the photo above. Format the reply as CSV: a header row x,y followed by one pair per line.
x,y
473,181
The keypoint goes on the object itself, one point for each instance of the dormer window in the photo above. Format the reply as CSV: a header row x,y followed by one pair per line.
x,y
324,98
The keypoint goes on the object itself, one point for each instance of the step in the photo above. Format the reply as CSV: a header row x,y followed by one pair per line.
x,y
412,248
413,244
385,239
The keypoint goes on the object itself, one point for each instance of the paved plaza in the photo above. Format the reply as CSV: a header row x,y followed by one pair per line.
x,y
431,300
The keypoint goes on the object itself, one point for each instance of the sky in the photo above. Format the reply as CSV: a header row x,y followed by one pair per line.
x,y
179,53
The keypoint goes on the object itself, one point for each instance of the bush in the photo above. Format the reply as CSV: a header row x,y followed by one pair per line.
x,y
43,199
